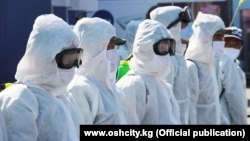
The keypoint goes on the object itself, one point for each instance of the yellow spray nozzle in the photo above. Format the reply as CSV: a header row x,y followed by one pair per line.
x,y
124,62
8,84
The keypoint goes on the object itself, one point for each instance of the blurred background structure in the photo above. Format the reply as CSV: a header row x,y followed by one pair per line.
x,y
17,17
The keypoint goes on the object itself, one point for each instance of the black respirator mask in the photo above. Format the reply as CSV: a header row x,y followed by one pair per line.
x,y
185,16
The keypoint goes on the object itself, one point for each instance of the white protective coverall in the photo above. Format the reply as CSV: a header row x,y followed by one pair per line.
x,y
36,108
3,130
148,97
129,34
242,75
192,78
91,87
201,52
193,84
166,15
232,91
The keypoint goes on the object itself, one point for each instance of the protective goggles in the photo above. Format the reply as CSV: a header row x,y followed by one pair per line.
x,y
185,16
69,58
165,46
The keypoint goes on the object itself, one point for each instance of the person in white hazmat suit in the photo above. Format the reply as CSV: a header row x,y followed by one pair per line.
x,y
172,17
192,76
201,51
129,34
232,89
93,87
148,97
3,129
233,47
35,107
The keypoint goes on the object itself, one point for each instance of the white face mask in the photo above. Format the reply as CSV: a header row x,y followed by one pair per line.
x,y
165,62
66,75
232,52
112,56
218,47
166,59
